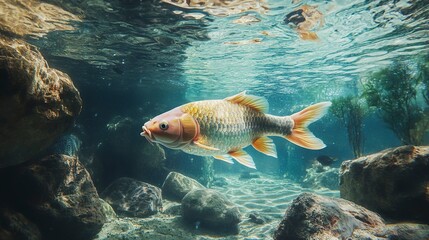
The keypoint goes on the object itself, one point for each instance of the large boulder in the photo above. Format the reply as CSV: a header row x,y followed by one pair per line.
x,y
57,194
211,209
312,217
15,226
132,198
177,185
394,182
37,103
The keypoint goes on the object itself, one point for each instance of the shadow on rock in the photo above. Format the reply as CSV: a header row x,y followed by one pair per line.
x,y
56,193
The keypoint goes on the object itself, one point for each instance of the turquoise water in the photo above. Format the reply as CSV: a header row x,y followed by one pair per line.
x,y
132,60
138,59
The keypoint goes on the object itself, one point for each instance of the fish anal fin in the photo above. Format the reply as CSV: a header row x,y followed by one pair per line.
x,y
266,146
205,146
255,102
243,158
300,134
225,158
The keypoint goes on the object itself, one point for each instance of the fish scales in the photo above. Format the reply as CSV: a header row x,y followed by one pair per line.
x,y
229,126
222,128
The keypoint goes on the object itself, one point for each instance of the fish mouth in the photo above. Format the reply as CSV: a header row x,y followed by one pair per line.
x,y
147,134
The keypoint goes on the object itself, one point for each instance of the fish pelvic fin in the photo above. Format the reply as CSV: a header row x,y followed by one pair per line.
x,y
225,158
205,146
257,103
301,135
266,146
243,158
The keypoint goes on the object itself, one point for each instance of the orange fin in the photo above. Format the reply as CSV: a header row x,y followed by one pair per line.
x,y
225,158
265,145
301,135
205,146
257,103
243,158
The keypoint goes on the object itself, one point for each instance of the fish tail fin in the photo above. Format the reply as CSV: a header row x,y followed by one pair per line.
x,y
300,134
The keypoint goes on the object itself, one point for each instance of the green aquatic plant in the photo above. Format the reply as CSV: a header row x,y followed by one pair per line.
x,y
423,73
393,92
351,112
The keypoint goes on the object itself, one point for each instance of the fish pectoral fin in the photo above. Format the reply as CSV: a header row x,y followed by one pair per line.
x,y
266,146
225,158
243,158
205,146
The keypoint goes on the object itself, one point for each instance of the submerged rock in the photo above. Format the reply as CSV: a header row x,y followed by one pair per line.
x,y
394,182
321,176
108,210
257,218
177,185
32,17
312,217
68,145
57,194
406,231
211,209
37,103
132,198
15,226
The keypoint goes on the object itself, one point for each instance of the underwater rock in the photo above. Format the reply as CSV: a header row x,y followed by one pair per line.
x,y
57,194
161,227
319,176
177,185
108,210
257,218
212,209
311,216
37,103
68,145
15,226
34,18
132,198
394,182
406,231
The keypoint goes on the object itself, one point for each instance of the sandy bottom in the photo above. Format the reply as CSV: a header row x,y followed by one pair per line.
x,y
268,197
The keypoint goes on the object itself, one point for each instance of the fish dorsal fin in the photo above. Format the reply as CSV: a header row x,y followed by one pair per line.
x,y
225,158
243,158
190,127
257,103
265,145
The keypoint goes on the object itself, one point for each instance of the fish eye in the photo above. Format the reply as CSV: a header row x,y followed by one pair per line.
x,y
163,125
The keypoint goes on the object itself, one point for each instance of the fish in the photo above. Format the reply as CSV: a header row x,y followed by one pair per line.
x,y
222,128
